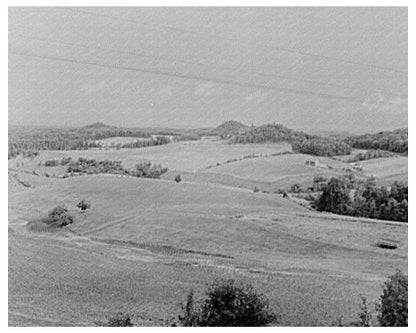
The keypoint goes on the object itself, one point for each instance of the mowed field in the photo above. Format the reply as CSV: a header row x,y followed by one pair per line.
x,y
181,156
282,171
120,140
144,244
387,170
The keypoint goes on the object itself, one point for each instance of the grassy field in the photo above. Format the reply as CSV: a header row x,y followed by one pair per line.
x,y
282,171
120,140
182,156
145,243
142,253
387,170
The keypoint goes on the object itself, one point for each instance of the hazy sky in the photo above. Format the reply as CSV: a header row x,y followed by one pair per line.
x,y
307,68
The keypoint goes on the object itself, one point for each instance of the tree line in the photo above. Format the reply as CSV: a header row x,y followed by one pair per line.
x,y
394,141
28,142
144,169
322,147
370,154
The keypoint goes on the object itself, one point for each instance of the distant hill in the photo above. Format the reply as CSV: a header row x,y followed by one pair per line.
x,y
228,129
98,125
395,141
271,133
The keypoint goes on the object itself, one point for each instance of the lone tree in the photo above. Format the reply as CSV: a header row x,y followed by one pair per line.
x,y
227,304
84,205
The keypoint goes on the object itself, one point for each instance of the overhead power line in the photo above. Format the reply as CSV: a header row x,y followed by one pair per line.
x,y
190,77
245,42
180,60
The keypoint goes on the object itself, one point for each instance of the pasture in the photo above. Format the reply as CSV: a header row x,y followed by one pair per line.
x,y
146,242
387,170
282,171
119,140
142,252
181,156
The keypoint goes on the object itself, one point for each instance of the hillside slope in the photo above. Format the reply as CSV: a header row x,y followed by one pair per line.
x,y
145,243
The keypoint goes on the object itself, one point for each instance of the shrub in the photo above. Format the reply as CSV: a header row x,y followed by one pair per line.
x,y
364,315
65,160
148,170
51,163
392,309
84,205
118,320
296,188
256,189
178,178
227,304
60,216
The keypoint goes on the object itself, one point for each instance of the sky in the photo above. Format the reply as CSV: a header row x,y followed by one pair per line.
x,y
308,68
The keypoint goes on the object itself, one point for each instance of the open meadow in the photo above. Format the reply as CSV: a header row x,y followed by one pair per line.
x,y
145,243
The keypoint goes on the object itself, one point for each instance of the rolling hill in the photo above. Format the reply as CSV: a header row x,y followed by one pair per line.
x,y
142,253
145,243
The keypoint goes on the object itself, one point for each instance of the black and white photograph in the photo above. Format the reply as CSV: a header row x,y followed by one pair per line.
x,y
206,165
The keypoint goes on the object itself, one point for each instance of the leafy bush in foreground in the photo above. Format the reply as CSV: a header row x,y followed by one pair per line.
x,y
394,300
227,304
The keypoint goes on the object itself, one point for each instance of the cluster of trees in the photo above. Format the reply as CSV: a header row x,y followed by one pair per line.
x,y
60,215
346,196
148,170
370,154
270,133
395,141
322,147
89,166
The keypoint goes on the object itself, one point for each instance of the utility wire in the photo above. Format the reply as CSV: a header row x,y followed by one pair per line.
x,y
190,77
179,60
244,42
